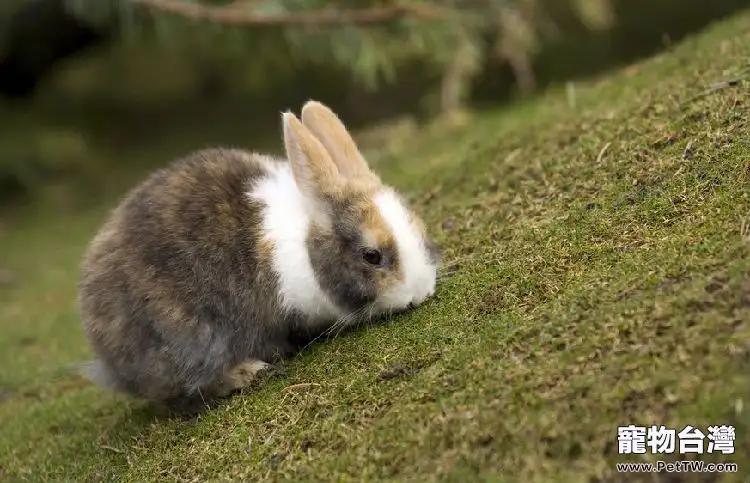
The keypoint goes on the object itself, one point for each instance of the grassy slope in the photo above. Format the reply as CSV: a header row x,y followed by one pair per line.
x,y
591,288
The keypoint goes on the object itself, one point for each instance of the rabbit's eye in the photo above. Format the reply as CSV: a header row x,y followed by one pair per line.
x,y
372,256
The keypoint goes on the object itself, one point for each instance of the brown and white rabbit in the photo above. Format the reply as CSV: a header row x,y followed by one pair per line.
x,y
210,268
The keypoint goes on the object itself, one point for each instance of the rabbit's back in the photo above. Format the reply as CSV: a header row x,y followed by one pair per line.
x,y
177,285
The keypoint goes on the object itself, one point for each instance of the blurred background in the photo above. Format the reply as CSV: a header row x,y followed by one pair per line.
x,y
95,92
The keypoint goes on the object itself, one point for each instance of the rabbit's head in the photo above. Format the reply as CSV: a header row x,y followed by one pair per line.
x,y
369,253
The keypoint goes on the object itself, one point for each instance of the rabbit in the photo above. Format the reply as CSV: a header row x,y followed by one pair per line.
x,y
212,267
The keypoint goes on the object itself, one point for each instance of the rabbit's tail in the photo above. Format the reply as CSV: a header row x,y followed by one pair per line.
x,y
96,372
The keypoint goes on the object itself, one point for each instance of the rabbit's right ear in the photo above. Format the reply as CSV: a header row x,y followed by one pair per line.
x,y
327,127
313,169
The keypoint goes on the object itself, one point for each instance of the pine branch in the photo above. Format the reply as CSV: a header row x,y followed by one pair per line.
x,y
234,14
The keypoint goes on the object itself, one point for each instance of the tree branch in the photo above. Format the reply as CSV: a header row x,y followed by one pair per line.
x,y
236,15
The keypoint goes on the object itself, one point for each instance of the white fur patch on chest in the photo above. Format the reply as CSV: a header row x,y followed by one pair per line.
x,y
285,224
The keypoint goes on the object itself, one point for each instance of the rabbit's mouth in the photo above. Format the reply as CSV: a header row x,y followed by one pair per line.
x,y
393,309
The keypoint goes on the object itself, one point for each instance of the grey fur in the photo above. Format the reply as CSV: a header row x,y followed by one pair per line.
x,y
337,260
174,291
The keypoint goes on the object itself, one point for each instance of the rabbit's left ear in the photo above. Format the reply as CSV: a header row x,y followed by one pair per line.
x,y
332,133
312,167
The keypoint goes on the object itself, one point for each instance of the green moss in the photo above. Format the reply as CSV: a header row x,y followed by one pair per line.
x,y
597,275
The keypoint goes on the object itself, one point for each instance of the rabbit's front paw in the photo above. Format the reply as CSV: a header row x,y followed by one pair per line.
x,y
241,375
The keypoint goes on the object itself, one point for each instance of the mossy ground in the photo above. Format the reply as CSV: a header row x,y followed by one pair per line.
x,y
597,248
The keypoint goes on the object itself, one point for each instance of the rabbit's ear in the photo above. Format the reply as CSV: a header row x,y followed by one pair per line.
x,y
332,133
313,169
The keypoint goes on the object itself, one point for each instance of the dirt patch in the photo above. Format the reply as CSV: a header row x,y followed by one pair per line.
x,y
27,341
402,370
397,371
278,458
6,277
52,389
716,284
